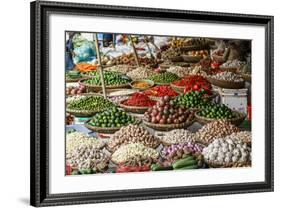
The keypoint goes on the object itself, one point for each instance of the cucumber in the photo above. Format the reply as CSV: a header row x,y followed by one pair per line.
x,y
158,167
188,167
184,162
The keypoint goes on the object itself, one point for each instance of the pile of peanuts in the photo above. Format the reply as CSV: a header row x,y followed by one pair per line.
x,y
132,134
135,150
213,130
86,156
140,73
177,136
76,139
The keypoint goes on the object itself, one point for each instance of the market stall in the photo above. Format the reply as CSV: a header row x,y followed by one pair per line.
x,y
158,103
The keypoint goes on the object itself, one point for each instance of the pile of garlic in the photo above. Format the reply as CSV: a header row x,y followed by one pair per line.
x,y
227,150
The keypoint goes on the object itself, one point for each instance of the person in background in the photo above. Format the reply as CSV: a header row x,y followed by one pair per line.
x,y
69,54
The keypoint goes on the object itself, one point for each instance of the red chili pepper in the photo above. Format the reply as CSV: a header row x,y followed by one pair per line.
x,y
68,170
161,91
140,99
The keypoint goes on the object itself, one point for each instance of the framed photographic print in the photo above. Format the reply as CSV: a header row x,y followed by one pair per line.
x,y
133,103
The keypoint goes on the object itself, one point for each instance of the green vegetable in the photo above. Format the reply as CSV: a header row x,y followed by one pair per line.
x,y
87,171
112,117
184,162
188,167
165,77
158,167
110,78
96,103
217,112
75,172
193,99
72,74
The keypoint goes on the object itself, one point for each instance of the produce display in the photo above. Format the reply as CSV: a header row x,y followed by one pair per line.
x,y
139,99
179,71
161,91
194,83
213,130
193,99
74,98
244,136
142,84
134,151
216,111
166,106
232,64
163,78
198,53
166,112
228,76
69,120
87,159
177,136
113,117
95,103
76,139
117,99
122,69
140,73
225,151
132,134
75,90
85,67
73,75
197,70
180,151
110,78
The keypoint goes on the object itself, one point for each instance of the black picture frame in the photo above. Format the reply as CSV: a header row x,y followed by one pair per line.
x,y
39,194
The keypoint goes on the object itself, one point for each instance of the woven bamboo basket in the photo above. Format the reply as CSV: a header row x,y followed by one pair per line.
x,y
239,118
227,165
105,130
176,59
169,127
97,88
226,84
191,59
133,109
195,47
229,69
81,113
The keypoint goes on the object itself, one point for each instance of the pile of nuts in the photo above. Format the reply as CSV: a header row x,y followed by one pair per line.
x,y
140,73
227,150
177,136
76,139
123,69
196,70
244,136
180,151
213,130
232,64
228,76
133,151
86,156
170,53
132,134
178,70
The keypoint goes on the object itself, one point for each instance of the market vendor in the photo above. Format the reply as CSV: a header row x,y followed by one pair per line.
x,y
69,52
230,50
